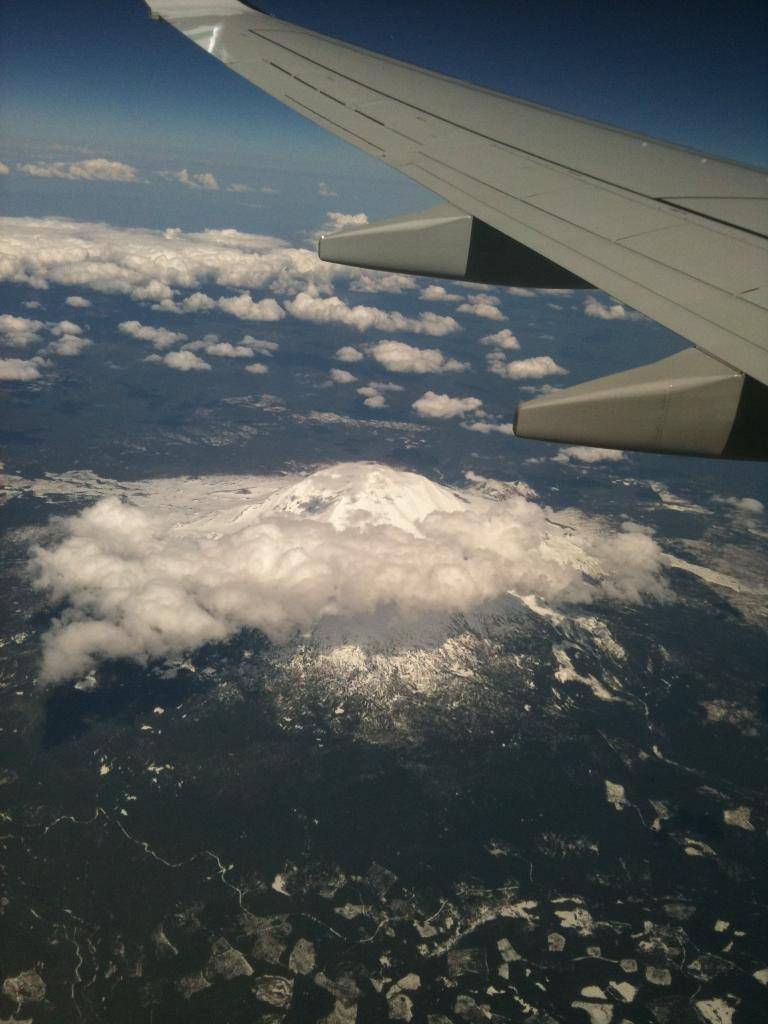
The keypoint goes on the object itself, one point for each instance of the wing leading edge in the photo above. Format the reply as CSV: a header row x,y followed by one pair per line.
x,y
545,199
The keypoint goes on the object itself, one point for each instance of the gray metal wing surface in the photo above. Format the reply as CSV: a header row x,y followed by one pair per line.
x,y
679,236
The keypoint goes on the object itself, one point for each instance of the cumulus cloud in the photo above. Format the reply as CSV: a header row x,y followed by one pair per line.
x,y
521,293
65,327
375,400
264,348
397,357
342,376
4,168
186,562
160,337
501,339
482,305
333,310
97,169
378,281
32,304
593,307
483,427
443,407
155,266
78,302
325,190
68,345
749,505
436,293
204,179
244,308
583,453
222,349
523,369
336,221
197,302
257,368
19,369
183,361
19,331
349,354
237,186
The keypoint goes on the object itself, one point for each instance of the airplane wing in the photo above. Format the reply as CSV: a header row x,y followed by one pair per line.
x,y
537,198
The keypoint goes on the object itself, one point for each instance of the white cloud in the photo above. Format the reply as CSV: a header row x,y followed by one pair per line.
x,y
335,221
237,186
373,396
68,345
373,281
19,369
333,310
523,369
521,293
183,361
342,376
222,349
397,357
78,302
436,293
483,427
264,348
84,170
197,302
443,407
257,368
204,179
159,336
19,331
65,327
190,561
501,339
243,307
269,190
4,168
583,453
386,386
155,266
375,401
749,505
325,190
482,305
593,307
32,304
349,354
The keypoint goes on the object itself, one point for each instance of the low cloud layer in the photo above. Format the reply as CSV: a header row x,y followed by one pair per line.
x,y
615,311
179,563
397,357
333,310
183,361
501,339
445,407
96,169
584,453
19,369
159,337
174,271
523,369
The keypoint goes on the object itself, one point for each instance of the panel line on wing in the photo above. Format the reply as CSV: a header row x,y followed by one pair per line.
x,y
338,127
